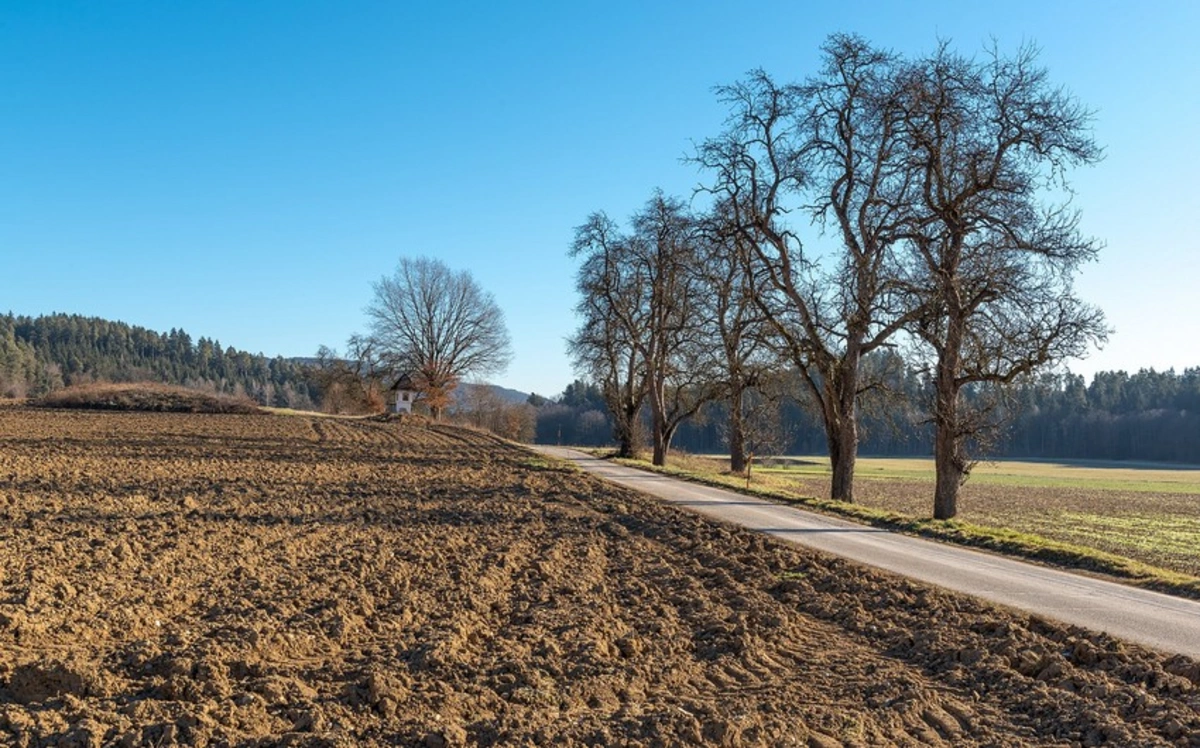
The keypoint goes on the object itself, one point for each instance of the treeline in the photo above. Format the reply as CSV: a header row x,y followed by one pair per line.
x,y
1149,415
578,417
1146,416
41,354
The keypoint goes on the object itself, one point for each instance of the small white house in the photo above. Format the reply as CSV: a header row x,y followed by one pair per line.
x,y
405,392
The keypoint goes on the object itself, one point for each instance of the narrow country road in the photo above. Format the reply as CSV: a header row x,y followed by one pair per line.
x,y
1164,622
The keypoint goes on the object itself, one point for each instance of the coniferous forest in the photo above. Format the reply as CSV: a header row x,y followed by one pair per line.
x,y
1147,416
42,354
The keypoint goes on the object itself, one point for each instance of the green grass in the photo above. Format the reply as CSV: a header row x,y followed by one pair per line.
x,y
1170,534
1141,524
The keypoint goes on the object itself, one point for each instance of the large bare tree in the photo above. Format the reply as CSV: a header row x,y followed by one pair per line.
x,y
680,365
737,329
438,325
992,259
825,153
611,309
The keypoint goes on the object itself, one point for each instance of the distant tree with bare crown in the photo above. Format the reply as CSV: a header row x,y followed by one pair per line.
x,y
437,325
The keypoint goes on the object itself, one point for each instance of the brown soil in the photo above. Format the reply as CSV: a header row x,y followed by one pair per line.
x,y
238,580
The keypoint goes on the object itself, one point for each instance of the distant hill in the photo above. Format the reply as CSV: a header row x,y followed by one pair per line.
x,y
304,360
510,397
42,354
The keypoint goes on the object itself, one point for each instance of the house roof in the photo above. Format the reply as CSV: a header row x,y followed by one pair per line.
x,y
404,382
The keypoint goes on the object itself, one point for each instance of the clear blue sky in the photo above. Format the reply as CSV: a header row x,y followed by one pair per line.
x,y
246,170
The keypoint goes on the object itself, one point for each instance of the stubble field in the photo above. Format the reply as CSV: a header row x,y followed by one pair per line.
x,y
261,580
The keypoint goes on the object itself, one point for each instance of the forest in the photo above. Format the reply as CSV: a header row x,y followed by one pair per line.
x,y
44,353
1146,416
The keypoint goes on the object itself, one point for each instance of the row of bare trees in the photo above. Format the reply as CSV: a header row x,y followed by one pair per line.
x,y
887,202
669,322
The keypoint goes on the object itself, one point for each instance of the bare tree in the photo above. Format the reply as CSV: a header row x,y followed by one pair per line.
x,y
680,367
610,305
438,325
482,407
370,366
640,308
764,432
992,264
341,384
734,323
829,149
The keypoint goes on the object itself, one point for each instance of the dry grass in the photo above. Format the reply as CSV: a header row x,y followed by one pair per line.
x,y
144,396
1152,516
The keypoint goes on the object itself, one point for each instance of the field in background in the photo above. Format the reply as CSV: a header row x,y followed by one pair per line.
x,y
1086,475
1147,512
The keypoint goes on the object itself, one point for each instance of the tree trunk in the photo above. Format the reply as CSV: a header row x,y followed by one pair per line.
x,y
949,476
841,428
737,436
663,433
626,433
949,464
843,456
842,483
660,450
658,425
661,444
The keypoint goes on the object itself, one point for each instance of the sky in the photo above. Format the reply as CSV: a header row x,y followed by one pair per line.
x,y
246,171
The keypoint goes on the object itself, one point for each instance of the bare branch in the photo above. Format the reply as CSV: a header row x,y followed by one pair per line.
x,y
438,326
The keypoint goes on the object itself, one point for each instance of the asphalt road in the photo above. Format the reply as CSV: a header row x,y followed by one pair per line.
x,y
1164,622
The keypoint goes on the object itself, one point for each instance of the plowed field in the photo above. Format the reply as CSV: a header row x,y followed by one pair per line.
x,y
263,580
